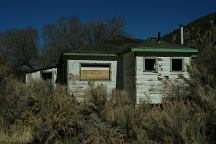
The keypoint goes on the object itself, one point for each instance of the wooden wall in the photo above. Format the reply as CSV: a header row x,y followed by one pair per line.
x,y
149,84
79,87
33,76
37,75
129,75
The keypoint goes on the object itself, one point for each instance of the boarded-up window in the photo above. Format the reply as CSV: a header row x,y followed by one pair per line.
x,y
95,72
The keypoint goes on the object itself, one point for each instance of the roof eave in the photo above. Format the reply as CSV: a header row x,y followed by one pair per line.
x,y
88,54
165,50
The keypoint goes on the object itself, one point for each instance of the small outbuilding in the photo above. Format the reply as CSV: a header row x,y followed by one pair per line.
x,y
48,74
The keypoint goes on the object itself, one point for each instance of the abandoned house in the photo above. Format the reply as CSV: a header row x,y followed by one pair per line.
x,y
136,66
48,74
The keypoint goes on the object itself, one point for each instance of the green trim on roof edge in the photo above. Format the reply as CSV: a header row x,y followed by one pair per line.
x,y
87,54
154,49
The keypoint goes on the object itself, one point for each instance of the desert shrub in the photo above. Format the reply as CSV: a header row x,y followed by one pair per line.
x,y
5,73
47,115
185,116
116,106
177,122
203,93
98,96
106,135
95,128
55,116
18,133
12,101
191,106
119,114
51,113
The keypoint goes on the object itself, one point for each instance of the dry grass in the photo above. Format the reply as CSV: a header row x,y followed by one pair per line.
x,y
39,114
16,134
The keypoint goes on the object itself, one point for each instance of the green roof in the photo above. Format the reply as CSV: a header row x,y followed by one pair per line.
x,y
153,45
124,44
155,49
88,53
107,48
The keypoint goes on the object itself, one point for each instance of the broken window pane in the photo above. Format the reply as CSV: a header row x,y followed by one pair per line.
x,y
150,64
177,64
46,76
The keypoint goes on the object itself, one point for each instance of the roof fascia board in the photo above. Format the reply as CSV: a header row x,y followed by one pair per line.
x,y
171,50
42,69
87,54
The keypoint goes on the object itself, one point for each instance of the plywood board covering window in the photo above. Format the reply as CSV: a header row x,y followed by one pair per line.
x,y
95,72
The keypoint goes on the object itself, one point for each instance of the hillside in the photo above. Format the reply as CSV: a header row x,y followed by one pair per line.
x,y
197,33
200,34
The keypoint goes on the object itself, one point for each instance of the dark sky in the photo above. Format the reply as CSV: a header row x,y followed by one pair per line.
x,y
144,18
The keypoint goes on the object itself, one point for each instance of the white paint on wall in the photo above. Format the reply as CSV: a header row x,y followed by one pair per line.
x,y
54,74
149,84
79,87
37,75
33,76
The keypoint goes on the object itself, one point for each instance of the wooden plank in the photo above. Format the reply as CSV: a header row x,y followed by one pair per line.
x,y
95,75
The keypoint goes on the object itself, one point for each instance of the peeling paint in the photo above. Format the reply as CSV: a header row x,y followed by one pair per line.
x,y
72,76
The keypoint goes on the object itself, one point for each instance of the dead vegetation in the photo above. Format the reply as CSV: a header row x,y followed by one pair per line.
x,y
37,113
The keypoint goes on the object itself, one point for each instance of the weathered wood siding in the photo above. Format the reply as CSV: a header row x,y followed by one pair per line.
x,y
62,73
79,87
37,75
54,74
129,75
33,76
149,84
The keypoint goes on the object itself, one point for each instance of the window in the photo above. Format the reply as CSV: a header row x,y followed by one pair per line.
x,y
177,64
95,72
150,64
46,75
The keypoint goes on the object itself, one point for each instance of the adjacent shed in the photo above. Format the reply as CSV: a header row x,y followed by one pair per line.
x,y
48,74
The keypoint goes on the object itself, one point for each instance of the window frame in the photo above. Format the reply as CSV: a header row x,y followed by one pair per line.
x,y
107,64
183,64
156,61
44,72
